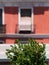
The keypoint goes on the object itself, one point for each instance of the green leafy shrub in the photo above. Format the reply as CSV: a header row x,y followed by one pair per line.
x,y
27,54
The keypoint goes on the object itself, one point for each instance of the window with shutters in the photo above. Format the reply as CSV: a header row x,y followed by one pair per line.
x,y
25,20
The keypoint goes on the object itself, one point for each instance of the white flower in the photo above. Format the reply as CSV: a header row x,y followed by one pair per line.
x,y
12,54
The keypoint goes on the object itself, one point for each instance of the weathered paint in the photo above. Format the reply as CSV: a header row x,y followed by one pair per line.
x,y
41,21
11,21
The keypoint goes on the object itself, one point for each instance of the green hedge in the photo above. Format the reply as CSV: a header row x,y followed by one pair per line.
x,y
27,54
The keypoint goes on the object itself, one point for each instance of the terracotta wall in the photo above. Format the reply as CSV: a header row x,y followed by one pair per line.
x,y
41,21
11,21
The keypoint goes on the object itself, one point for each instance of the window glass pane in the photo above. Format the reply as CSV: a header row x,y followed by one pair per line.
x,y
0,16
25,12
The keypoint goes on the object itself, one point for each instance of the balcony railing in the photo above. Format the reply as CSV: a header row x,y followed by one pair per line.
x,y
26,27
2,28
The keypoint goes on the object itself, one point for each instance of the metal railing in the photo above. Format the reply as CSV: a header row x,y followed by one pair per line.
x,y
2,28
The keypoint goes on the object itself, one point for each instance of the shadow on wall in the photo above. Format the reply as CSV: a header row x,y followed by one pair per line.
x,y
37,10
11,10
11,19
40,10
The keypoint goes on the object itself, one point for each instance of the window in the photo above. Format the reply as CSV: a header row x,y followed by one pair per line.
x,y
25,20
2,41
1,16
2,27
25,12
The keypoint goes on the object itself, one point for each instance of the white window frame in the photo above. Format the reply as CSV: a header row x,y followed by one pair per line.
x,y
19,16
2,15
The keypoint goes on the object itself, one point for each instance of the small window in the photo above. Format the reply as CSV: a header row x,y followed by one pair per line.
x,y
25,12
0,16
25,20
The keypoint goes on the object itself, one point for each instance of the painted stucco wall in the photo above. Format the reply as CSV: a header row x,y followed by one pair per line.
x,y
41,21
11,21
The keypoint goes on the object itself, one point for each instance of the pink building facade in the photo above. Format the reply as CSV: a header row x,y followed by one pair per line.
x,y
37,23
23,19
